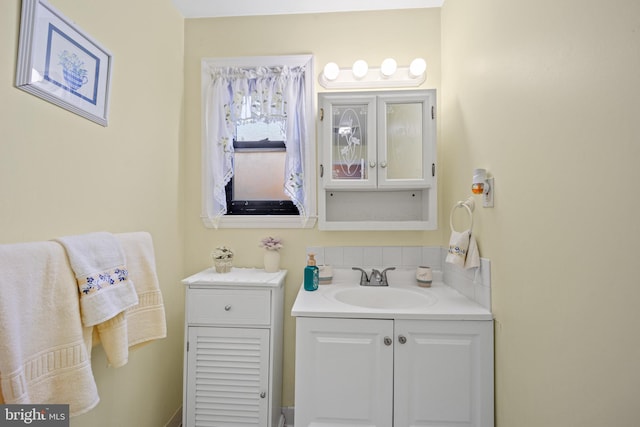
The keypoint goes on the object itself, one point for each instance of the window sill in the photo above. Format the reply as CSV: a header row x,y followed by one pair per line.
x,y
261,221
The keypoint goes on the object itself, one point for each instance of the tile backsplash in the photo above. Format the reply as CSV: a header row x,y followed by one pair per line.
x,y
474,283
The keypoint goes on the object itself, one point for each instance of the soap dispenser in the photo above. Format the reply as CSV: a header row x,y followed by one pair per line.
x,y
311,274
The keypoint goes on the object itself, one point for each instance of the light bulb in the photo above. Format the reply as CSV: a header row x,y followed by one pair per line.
x,y
388,67
417,68
331,71
360,69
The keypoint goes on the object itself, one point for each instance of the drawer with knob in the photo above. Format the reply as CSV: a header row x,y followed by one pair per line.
x,y
228,307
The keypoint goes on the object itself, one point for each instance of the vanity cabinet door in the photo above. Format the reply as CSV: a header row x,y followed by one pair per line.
x,y
344,372
443,373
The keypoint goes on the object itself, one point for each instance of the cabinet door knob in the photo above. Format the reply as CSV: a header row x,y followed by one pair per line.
x,y
227,307
402,339
372,164
263,394
383,164
388,341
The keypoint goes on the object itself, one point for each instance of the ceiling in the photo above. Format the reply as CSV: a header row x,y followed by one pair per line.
x,y
220,8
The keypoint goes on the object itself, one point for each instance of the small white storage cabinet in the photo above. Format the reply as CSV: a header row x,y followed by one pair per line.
x,y
378,160
233,349
393,373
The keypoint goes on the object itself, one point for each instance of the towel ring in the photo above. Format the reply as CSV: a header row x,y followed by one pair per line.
x,y
469,205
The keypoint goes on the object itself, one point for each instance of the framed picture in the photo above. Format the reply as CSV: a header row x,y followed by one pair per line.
x,y
60,63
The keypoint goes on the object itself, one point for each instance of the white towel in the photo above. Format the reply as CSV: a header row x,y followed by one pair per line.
x,y
463,250
473,254
144,321
98,262
45,352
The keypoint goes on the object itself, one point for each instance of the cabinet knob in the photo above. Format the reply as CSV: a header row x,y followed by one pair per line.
x,y
263,394
372,164
402,339
388,341
227,307
383,164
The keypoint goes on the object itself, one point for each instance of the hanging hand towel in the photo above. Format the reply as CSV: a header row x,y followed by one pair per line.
x,y
144,321
98,262
458,247
472,259
463,250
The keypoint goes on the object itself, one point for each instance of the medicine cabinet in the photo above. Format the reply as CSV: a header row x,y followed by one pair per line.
x,y
377,160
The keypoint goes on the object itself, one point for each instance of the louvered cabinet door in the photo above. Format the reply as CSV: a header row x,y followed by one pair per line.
x,y
228,377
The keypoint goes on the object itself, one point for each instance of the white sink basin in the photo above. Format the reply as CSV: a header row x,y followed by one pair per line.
x,y
384,297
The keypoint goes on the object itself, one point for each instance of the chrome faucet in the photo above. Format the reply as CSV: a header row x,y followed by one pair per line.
x,y
376,278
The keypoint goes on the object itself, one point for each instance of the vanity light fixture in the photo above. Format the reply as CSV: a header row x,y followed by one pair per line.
x,y
482,184
331,71
360,75
417,68
388,67
360,69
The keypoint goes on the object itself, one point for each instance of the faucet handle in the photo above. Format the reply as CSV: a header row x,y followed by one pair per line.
x,y
384,280
364,279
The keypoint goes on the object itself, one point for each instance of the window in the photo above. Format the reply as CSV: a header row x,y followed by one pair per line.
x,y
259,155
258,142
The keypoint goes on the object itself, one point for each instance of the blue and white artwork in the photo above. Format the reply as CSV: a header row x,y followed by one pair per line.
x,y
70,66
60,63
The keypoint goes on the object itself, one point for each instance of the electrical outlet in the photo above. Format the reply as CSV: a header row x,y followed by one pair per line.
x,y
487,195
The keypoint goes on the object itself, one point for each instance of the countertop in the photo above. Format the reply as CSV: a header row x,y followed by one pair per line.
x,y
449,304
237,276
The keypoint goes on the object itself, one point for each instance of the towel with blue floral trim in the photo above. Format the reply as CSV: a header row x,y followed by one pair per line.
x,y
98,262
463,250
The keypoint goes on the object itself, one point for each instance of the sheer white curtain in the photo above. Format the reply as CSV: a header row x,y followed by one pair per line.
x,y
263,94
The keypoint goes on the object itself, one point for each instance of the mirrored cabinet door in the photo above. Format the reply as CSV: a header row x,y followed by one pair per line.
x,y
404,141
404,158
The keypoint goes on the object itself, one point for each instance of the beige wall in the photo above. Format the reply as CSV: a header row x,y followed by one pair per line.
x,y
340,37
545,95
62,174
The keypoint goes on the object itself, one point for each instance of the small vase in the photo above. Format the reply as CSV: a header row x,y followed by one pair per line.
x,y
271,261
223,265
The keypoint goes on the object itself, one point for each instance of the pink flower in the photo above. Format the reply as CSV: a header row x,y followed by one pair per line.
x,y
271,243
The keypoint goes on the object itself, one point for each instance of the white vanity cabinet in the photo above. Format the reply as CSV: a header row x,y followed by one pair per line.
x,y
233,348
378,160
400,373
